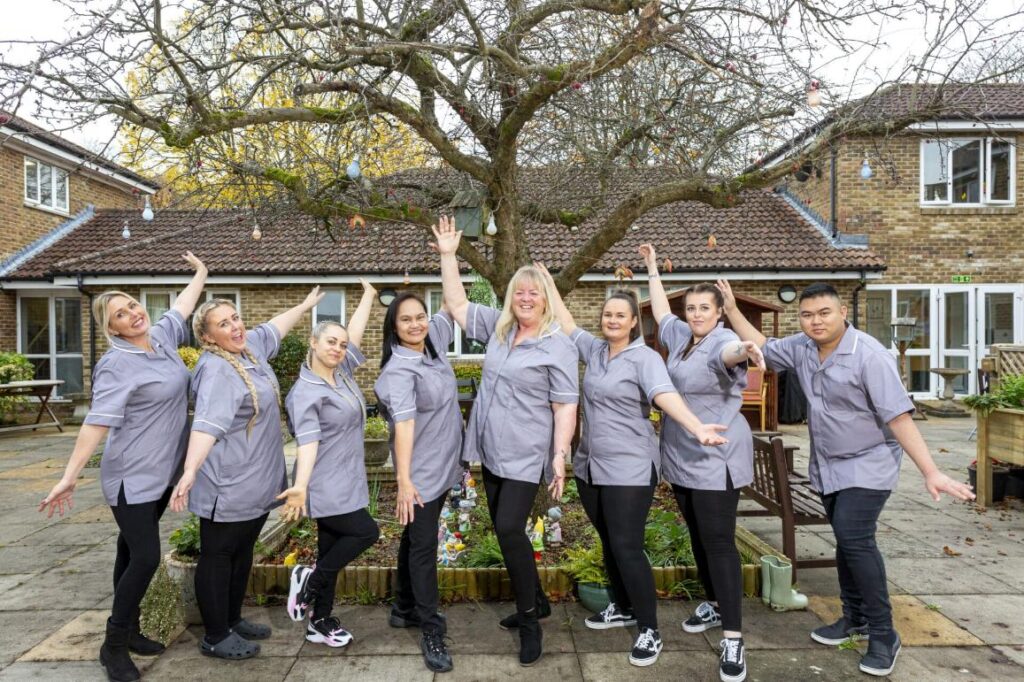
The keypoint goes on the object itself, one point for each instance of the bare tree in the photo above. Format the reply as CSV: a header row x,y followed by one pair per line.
x,y
698,89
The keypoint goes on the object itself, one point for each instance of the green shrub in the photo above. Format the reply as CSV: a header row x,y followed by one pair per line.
x,y
666,540
289,361
484,552
584,563
14,367
189,355
185,540
376,428
1009,393
466,371
160,612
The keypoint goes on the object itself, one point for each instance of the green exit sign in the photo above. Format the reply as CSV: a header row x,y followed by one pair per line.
x,y
961,279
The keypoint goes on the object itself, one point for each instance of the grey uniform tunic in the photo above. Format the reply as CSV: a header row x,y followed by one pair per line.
x,y
415,386
618,444
511,427
242,475
851,397
714,393
143,398
334,416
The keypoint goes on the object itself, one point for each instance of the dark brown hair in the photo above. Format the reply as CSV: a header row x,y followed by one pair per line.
x,y
634,307
705,288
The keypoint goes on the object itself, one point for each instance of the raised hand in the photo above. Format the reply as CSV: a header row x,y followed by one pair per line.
x,y
727,296
192,260
314,297
367,287
649,256
446,235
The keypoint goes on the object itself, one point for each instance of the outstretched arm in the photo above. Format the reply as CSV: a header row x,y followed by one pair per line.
x,y
88,440
562,314
295,497
659,301
935,481
675,407
455,300
286,320
199,446
357,325
741,351
740,324
185,303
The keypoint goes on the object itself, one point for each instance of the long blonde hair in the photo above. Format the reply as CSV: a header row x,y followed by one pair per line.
x,y
199,329
508,318
101,312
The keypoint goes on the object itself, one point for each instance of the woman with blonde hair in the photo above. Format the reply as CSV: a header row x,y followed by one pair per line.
x,y
234,468
139,398
523,419
326,414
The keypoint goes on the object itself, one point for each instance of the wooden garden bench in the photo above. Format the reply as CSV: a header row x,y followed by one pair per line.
x,y
786,495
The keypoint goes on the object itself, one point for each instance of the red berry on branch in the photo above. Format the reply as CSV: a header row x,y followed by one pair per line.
x,y
576,85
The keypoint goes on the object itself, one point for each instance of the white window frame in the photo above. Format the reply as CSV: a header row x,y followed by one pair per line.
x,y
55,171
986,168
344,304
458,331
146,293
210,293
51,297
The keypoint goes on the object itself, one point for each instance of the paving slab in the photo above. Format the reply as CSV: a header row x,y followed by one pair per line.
x,y
182,662
370,630
495,668
827,664
917,624
19,633
10,532
76,671
670,614
962,663
671,665
362,668
70,534
21,559
1014,652
94,514
764,628
995,619
473,629
286,638
949,575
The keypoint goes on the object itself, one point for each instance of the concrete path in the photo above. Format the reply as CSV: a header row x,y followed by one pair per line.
x,y
956,575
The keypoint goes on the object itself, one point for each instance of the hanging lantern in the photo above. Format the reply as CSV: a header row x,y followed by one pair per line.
x,y
865,170
467,205
147,211
353,171
126,233
814,94
406,280
257,233
492,227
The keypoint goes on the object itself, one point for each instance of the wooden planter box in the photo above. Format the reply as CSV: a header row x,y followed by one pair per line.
x,y
1001,437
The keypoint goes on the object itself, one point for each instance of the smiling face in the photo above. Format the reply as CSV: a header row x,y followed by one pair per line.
x,y
702,313
528,301
823,318
126,318
411,323
224,327
617,320
331,346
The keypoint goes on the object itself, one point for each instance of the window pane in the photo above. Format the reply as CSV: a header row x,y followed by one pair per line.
x,y
31,180
920,376
967,172
42,368
329,308
35,326
69,369
434,302
229,295
878,316
157,304
959,383
933,170
61,189
998,318
916,303
999,171
45,185
68,318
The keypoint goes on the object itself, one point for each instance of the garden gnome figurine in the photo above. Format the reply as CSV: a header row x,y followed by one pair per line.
x,y
553,528
470,487
464,522
537,538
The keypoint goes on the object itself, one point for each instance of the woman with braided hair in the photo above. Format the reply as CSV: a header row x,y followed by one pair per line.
x,y
234,467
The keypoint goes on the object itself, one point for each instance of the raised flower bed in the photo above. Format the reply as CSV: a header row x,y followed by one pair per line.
x,y
1000,430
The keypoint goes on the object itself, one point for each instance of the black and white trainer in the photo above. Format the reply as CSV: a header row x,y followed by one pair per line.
x,y
297,605
732,667
646,648
611,617
838,632
880,658
328,631
704,618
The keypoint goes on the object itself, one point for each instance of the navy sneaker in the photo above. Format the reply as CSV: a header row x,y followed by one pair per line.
x,y
881,656
838,632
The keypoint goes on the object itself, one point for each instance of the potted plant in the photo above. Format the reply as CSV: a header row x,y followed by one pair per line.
x,y
375,442
181,566
585,564
1000,431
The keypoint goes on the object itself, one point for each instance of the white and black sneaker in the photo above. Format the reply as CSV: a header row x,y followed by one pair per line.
x,y
297,605
328,631
704,618
611,617
732,667
646,648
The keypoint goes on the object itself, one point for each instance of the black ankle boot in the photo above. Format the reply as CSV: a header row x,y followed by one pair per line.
x,y
529,638
139,644
511,622
114,655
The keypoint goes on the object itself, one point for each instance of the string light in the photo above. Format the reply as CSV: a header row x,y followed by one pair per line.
x,y
814,94
257,233
865,170
126,233
353,171
147,211
492,227
406,280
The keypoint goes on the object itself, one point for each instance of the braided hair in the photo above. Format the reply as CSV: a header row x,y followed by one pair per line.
x,y
199,329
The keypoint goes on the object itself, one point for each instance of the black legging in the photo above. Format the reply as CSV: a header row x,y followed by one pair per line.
x,y
509,503
340,539
138,554
711,519
417,567
225,560
619,513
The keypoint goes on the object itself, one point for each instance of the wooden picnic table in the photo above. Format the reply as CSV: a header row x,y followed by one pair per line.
x,y
41,389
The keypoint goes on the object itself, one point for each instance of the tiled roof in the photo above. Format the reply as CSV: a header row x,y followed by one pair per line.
x,y
31,130
764,232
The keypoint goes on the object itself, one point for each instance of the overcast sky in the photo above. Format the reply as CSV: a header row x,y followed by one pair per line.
x,y
904,40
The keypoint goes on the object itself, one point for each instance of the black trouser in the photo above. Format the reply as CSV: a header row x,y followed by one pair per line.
x,y
225,561
138,554
417,566
509,503
853,513
711,519
619,513
340,539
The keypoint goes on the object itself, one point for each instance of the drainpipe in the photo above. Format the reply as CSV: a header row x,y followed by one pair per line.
x,y
832,194
92,330
856,299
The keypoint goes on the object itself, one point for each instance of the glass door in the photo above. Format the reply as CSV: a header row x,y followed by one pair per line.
x,y
1000,318
957,336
